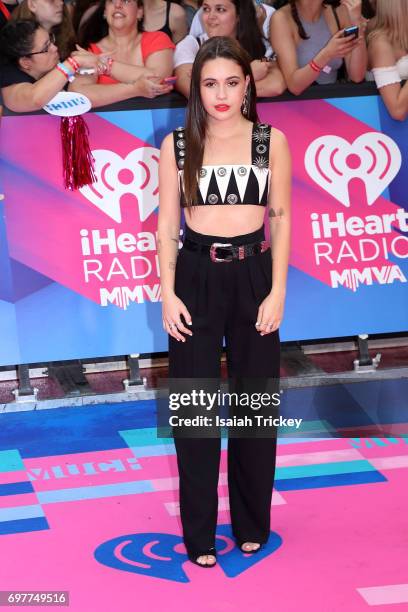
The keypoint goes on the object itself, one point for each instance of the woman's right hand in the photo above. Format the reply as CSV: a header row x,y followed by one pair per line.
x,y
173,309
151,86
340,45
87,59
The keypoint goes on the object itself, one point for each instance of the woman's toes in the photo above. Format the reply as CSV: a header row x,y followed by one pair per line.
x,y
248,546
206,560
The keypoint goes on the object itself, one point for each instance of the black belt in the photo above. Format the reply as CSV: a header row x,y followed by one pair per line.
x,y
225,251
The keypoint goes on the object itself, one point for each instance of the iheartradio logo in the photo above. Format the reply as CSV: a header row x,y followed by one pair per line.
x,y
137,174
331,161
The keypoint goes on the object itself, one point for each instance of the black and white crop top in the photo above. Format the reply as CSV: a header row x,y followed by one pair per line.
x,y
230,183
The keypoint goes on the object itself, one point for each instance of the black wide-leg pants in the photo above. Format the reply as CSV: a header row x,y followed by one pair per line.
x,y
223,299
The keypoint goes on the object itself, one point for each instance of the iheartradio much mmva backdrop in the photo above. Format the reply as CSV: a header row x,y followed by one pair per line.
x,y
79,274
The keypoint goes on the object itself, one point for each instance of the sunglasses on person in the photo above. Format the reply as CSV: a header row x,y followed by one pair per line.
x,y
50,41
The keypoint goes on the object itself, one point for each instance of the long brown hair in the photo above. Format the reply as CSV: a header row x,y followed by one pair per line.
x,y
249,34
64,32
196,123
295,15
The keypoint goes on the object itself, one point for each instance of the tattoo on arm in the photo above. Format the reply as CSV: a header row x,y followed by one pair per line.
x,y
172,265
273,214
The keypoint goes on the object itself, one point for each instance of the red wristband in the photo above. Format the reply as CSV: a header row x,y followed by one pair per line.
x,y
314,66
73,63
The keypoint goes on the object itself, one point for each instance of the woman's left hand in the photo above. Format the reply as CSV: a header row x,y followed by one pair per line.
x,y
259,69
354,9
270,313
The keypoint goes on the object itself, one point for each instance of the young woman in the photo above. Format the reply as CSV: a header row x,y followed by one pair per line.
x,y
165,16
388,55
52,16
135,59
263,13
308,38
224,169
31,75
236,19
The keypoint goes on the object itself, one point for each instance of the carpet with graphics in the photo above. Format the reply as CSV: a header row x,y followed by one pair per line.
x,y
88,504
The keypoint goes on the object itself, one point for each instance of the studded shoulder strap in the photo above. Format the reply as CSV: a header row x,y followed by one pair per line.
x,y
261,138
179,140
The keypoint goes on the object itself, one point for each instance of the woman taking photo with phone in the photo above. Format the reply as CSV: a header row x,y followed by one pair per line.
x,y
224,169
311,43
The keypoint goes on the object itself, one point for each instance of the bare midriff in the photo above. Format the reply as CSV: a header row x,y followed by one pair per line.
x,y
225,220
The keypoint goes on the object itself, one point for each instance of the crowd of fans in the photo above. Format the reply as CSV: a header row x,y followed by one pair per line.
x,y
112,50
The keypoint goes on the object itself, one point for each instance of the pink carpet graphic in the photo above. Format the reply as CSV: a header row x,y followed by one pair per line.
x,y
93,253
88,505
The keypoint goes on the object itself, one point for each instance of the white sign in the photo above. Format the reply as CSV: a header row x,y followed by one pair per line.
x,y
68,104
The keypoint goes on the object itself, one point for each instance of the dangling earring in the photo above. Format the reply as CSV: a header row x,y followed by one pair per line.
x,y
245,103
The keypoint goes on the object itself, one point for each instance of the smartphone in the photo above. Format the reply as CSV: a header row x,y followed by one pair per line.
x,y
351,31
170,80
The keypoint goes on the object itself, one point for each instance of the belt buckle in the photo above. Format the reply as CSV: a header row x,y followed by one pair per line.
x,y
213,252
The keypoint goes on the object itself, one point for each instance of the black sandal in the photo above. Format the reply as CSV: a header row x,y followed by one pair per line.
x,y
249,552
211,551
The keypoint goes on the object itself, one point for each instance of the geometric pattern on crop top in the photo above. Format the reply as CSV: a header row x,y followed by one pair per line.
x,y
230,183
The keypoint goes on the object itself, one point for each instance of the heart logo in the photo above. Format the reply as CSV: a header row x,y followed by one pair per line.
x,y
137,175
331,161
162,555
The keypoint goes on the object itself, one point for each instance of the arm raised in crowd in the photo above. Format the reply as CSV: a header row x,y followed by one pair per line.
x,y
356,60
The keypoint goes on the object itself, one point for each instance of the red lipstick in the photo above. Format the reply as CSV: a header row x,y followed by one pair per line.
x,y
222,107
